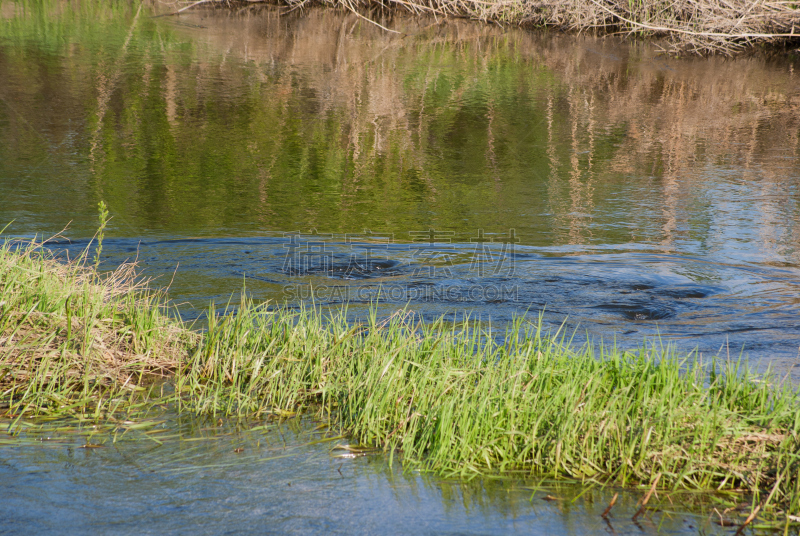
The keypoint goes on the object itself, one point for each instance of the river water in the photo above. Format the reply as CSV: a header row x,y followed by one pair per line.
x,y
452,168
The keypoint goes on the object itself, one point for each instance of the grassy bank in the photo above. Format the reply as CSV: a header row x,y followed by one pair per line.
x,y
447,400
71,339
725,26
455,404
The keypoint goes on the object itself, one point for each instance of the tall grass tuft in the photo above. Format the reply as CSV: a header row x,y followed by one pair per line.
x,y
69,336
454,401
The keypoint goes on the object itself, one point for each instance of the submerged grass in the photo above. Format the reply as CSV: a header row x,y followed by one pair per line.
x,y
448,399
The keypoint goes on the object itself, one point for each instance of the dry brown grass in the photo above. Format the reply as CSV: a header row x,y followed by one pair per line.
x,y
705,26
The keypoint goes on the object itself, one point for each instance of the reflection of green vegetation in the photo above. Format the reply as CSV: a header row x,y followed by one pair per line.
x,y
176,139
55,27
182,132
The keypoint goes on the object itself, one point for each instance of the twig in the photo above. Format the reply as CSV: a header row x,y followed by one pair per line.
x,y
298,5
755,511
414,5
347,4
647,497
604,515
750,518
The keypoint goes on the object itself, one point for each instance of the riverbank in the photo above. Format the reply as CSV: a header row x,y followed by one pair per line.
x,y
72,339
708,26
444,399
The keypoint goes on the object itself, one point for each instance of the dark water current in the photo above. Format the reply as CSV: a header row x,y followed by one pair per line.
x,y
457,168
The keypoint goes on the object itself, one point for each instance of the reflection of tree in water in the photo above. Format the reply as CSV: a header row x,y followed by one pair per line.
x,y
270,122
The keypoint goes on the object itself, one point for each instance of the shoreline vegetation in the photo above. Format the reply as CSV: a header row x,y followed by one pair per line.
x,y
701,27
447,400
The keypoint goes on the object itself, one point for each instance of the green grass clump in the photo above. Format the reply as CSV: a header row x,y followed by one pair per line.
x,y
455,402
449,399
69,337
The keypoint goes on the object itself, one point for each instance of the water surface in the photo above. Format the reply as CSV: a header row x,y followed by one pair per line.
x,y
633,193
452,168
222,478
